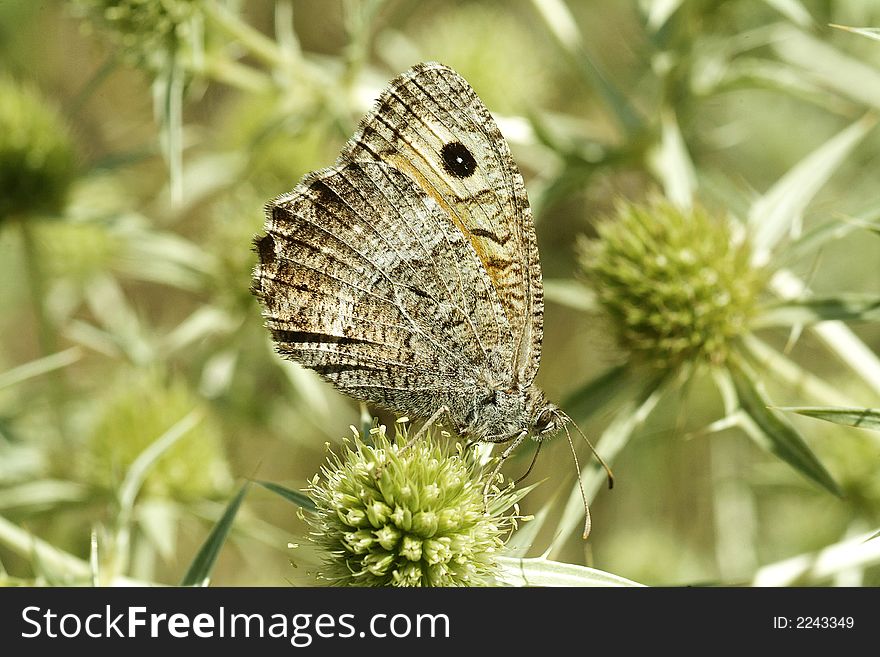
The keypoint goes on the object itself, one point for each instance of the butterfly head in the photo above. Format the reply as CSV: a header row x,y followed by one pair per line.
x,y
546,420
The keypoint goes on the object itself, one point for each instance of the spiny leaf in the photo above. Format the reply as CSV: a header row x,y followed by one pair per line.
x,y
862,418
776,434
200,570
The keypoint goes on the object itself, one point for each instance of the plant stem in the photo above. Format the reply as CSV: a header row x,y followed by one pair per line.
x,y
37,285
242,77
259,45
46,333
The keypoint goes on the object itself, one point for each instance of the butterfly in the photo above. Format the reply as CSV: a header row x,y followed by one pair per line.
x,y
407,274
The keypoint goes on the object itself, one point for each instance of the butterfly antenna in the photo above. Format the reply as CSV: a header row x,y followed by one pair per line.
x,y
588,523
601,461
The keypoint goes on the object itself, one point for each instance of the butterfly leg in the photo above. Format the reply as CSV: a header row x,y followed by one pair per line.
x,y
424,428
504,456
421,432
531,465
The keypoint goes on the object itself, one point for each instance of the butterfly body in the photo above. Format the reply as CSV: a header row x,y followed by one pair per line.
x,y
407,274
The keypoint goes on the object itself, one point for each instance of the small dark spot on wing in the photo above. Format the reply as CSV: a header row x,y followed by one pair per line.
x,y
458,160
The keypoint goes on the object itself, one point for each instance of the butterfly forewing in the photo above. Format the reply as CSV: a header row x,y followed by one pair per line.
x,y
364,279
430,125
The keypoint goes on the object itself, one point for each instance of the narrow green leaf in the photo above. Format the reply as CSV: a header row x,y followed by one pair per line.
x,y
40,366
165,258
821,61
851,307
200,569
775,434
751,72
140,467
780,209
168,108
570,293
297,497
544,572
205,321
159,520
671,163
862,418
30,547
43,493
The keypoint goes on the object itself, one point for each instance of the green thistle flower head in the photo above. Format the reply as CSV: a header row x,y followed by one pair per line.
x,y
676,284
389,516
37,164
142,408
147,32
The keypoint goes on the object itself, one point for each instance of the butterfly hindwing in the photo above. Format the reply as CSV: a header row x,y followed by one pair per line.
x,y
430,125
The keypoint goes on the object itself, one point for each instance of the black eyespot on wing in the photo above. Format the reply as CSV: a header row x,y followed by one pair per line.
x,y
457,159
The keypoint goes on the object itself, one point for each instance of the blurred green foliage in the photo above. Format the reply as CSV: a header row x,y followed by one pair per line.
x,y
124,279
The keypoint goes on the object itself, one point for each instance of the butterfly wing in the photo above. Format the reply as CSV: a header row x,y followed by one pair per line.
x,y
430,124
364,278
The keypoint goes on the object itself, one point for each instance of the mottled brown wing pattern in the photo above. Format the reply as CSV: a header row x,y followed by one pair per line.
x,y
430,124
364,279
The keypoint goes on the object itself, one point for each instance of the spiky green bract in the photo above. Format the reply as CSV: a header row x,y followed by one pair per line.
x,y
394,516
677,285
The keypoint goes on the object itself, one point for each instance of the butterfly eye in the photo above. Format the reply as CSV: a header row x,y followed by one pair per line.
x,y
545,423
458,160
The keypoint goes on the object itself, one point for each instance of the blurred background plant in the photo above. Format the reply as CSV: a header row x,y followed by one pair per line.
x,y
716,163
